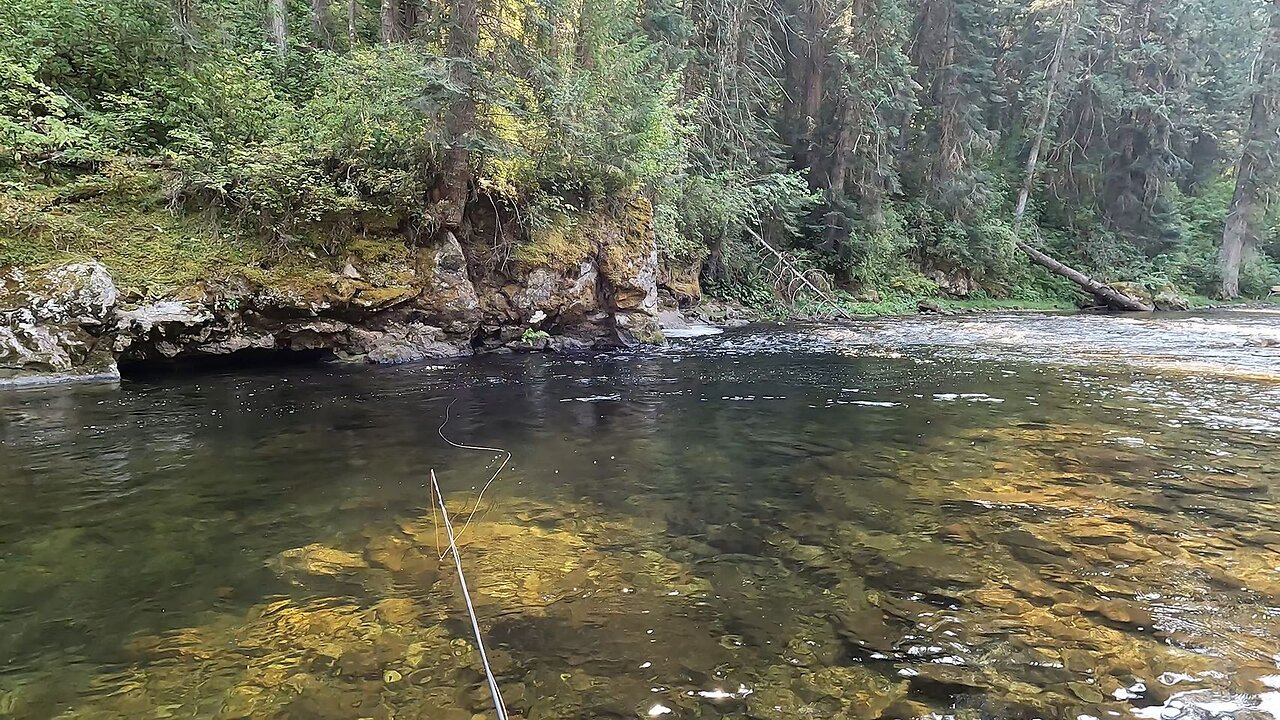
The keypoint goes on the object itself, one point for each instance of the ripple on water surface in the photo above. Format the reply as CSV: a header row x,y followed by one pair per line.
x,y
952,518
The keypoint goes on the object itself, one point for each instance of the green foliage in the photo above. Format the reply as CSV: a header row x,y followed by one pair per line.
x,y
353,152
743,277
983,245
1258,274
897,150
33,117
532,337
557,235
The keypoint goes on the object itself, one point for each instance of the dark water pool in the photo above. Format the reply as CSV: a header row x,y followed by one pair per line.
x,y
997,517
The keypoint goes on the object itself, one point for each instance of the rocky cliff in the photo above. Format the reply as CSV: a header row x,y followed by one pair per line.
x,y
71,322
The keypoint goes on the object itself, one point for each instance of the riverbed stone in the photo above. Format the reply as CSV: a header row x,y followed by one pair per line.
x,y
317,559
570,590
397,610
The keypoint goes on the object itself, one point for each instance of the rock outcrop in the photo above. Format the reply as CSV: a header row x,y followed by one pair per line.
x,y
679,284
602,292
954,284
55,325
628,260
70,323
433,312
1169,299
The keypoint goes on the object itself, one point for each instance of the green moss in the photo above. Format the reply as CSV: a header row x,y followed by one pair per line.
x,y
149,251
560,241
153,251
370,250
629,235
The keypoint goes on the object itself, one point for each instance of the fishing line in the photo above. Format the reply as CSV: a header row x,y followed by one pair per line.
x,y
503,464
498,705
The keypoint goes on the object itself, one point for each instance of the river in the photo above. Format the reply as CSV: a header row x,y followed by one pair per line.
x,y
997,516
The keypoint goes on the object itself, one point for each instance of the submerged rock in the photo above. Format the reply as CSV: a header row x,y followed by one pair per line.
x,y
629,607
317,559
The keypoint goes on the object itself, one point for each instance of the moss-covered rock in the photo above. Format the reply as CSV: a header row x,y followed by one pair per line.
x,y
1168,299
679,283
560,243
629,271
54,325
1137,291
448,296
588,279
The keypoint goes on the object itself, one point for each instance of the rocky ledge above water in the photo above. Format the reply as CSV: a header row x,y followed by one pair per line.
x,y
71,323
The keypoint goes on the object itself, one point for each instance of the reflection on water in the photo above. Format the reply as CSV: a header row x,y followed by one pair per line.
x,y
1001,517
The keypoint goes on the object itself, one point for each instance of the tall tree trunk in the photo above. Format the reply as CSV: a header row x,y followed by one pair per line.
x,y
811,88
182,21
464,38
1255,169
865,127
351,24
184,28
1113,298
410,11
812,107
836,230
389,21
1053,76
1236,233
320,24
277,25
838,169
584,49
946,55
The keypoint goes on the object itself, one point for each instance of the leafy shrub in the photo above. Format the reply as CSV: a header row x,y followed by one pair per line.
x,y
356,149
1258,274
983,245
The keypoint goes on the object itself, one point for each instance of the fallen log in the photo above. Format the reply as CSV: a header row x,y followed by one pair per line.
x,y
1112,298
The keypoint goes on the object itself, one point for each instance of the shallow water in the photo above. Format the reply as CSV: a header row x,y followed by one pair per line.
x,y
1018,516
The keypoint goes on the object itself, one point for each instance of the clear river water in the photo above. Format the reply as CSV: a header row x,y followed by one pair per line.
x,y
998,516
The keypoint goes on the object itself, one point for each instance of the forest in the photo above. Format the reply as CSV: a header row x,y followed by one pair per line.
x,y
894,144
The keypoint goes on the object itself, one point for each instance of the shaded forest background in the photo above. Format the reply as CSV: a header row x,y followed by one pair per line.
x,y
883,141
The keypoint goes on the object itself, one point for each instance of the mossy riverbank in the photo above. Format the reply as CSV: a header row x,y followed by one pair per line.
x,y
154,250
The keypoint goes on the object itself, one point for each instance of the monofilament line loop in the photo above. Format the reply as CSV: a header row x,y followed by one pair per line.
x,y
471,610
496,473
